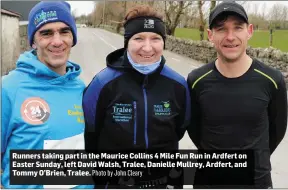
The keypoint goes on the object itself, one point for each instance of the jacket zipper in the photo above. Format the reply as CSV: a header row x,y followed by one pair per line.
x,y
145,111
135,122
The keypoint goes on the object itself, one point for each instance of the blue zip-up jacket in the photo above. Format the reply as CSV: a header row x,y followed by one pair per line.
x,y
40,110
127,110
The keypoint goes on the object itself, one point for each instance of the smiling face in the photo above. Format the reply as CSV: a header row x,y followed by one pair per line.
x,y
53,42
146,47
230,38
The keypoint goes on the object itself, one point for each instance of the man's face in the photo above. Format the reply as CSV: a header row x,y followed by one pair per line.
x,y
230,38
53,42
146,47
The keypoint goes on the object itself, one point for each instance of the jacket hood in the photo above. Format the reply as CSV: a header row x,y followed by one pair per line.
x,y
118,60
29,63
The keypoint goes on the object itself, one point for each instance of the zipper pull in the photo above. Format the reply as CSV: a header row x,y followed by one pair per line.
x,y
145,82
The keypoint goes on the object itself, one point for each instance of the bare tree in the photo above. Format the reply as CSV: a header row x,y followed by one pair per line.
x,y
276,15
285,17
258,21
246,5
173,12
201,19
212,5
256,6
74,13
284,13
151,3
97,14
189,18
263,10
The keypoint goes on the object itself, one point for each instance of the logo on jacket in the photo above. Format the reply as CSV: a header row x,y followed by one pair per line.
x,y
122,112
35,111
162,109
77,112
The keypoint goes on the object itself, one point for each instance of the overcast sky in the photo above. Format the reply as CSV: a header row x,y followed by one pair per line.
x,y
86,7
82,7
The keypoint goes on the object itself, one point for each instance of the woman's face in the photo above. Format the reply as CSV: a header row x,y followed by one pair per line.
x,y
146,47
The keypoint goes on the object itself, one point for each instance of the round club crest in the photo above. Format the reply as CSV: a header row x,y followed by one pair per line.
x,y
35,111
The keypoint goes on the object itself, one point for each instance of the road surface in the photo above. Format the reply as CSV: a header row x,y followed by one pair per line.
x,y
91,50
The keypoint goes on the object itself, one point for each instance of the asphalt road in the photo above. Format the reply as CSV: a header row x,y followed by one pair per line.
x,y
91,50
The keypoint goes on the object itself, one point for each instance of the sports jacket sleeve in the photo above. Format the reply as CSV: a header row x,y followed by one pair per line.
x,y
6,112
93,114
185,122
277,111
195,119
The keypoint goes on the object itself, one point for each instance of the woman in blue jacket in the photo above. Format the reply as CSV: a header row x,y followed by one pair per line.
x,y
137,102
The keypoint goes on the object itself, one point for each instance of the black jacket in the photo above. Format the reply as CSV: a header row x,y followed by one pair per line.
x,y
126,110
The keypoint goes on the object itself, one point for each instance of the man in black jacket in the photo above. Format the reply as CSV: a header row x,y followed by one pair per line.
x,y
238,103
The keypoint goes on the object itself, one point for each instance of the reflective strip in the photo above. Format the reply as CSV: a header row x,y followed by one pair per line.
x,y
275,84
201,78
